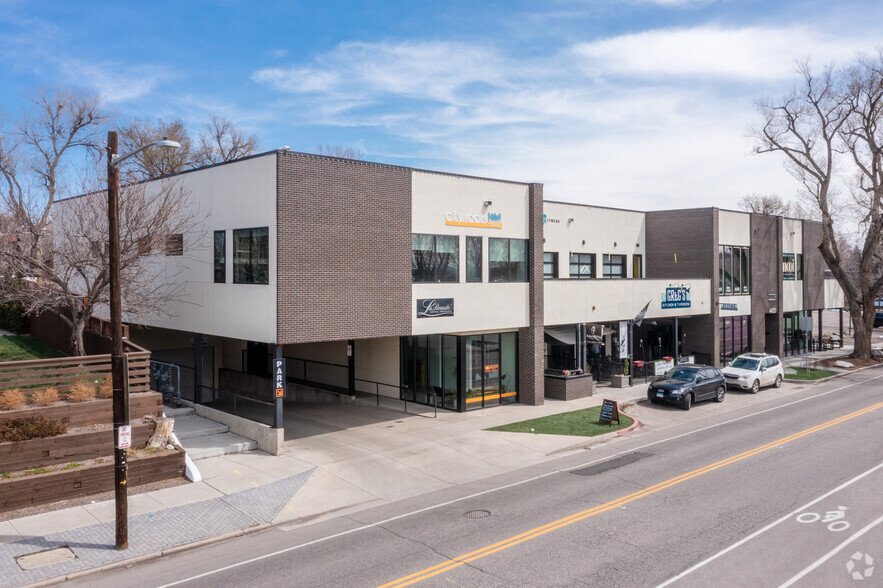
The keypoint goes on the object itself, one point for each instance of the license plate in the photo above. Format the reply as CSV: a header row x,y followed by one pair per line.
x,y
660,394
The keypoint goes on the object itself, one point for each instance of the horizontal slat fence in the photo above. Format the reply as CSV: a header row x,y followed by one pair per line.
x,y
94,412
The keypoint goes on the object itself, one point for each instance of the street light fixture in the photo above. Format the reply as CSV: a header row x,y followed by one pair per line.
x,y
120,390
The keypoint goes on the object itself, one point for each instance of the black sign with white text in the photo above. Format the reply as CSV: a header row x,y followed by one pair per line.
x,y
435,307
279,378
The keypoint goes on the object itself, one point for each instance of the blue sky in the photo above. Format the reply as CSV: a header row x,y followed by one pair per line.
x,y
639,104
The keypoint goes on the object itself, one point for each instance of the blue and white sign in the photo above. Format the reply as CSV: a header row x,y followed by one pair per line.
x,y
728,306
676,297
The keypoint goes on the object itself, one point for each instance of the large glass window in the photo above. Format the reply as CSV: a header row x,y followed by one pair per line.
x,y
550,265
507,260
614,266
220,257
435,258
473,259
735,270
582,266
735,337
251,256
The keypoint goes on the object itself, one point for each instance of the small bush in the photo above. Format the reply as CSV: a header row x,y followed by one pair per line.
x,y
13,318
12,400
105,389
30,428
45,397
81,392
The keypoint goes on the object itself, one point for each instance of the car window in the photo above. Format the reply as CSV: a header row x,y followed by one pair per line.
x,y
682,374
709,374
767,363
774,361
744,363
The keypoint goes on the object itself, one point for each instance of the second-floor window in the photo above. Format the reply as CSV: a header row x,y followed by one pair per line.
x,y
734,276
251,256
473,259
507,260
435,258
637,266
550,265
614,266
220,257
582,266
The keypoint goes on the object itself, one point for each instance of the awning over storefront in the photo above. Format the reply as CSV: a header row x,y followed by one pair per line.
x,y
565,334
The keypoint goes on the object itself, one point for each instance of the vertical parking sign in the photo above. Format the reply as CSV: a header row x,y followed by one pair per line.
x,y
279,378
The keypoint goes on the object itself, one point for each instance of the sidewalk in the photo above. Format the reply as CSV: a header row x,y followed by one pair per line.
x,y
339,459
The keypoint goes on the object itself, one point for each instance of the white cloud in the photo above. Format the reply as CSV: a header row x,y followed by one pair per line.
x,y
115,82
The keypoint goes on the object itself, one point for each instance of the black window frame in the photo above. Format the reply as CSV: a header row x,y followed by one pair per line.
x,y
607,263
437,268
512,267
474,259
253,272
220,256
734,270
579,261
551,265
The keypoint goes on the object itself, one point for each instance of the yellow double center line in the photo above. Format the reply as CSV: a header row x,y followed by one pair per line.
x,y
569,520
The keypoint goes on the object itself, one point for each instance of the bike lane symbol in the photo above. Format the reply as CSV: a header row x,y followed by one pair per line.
x,y
833,518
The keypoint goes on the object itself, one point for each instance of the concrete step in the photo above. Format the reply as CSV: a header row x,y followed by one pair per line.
x,y
215,445
177,412
192,426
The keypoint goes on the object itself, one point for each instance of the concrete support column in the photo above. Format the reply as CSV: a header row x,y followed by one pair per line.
x,y
197,368
351,366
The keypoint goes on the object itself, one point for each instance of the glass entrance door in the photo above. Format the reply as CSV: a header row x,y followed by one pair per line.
x,y
491,370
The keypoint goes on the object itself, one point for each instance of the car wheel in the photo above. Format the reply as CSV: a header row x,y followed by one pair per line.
x,y
688,400
778,383
755,387
653,401
721,392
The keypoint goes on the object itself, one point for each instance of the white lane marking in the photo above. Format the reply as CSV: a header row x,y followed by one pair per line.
x,y
832,553
497,489
770,526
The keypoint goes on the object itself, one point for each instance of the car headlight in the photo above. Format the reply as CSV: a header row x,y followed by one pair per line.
x,y
743,377
677,392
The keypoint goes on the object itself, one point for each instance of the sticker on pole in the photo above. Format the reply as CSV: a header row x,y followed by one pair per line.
x,y
125,440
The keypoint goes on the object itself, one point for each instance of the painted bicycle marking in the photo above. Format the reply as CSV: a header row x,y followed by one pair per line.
x,y
833,518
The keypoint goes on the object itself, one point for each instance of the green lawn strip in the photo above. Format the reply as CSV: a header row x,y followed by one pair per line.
x,y
23,347
583,423
813,375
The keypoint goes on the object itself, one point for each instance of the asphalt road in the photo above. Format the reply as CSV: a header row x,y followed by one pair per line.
x,y
747,497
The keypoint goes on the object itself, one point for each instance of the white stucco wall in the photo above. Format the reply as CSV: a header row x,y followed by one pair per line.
x,y
792,295
743,305
237,195
792,236
595,230
593,301
438,199
734,228
834,297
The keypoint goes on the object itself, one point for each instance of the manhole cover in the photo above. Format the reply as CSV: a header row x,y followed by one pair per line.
x,y
45,558
477,514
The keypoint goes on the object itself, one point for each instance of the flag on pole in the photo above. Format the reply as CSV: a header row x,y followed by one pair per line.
x,y
640,317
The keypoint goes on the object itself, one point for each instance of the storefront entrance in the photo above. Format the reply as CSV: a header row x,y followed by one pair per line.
x,y
460,372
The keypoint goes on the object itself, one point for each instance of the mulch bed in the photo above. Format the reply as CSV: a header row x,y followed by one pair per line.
x,y
855,361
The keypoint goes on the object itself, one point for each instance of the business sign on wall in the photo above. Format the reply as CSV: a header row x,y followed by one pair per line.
x,y
676,297
435,307
728,306
789,266
491,220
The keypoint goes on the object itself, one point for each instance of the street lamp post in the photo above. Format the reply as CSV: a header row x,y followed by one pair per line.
x,y
120,391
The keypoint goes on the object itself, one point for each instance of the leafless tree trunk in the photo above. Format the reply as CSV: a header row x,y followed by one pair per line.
x,y
836,112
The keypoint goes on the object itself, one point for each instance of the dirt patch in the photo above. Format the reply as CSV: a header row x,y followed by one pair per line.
x,y
855,361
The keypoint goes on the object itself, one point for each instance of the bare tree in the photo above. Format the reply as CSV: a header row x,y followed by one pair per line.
x,y
764,204
221,140
155,163
152,217
340,151
833,114
35,155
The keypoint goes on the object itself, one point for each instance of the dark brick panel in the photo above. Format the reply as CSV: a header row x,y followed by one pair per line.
x,y
813,267
766,282
531,358
343,249
689,234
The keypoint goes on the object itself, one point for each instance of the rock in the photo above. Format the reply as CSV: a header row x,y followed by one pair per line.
x,y
843,364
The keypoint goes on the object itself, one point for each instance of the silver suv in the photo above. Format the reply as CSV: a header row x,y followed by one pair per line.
x,y
753,370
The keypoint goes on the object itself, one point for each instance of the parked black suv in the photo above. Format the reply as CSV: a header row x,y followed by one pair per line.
x,y
688,383
878,319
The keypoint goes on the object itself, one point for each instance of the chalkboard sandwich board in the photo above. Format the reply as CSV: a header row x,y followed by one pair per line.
x,y
609,412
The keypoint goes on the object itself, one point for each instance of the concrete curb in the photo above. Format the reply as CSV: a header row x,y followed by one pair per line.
x,y
635,424
150,556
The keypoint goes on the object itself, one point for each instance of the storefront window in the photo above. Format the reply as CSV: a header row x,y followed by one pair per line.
x,y
435,258
508,368
734,336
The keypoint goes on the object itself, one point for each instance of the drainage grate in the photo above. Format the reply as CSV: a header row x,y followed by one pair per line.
x,y
477,514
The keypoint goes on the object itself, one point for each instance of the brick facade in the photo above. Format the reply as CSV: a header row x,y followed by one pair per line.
x,y
344,249
531,349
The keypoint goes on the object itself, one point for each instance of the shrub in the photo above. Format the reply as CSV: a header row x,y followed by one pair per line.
x,y
13,318
30,428
12,400
105,389
45,397
81,392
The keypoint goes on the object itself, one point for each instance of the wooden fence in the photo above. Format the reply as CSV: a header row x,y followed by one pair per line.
x,y
64,372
